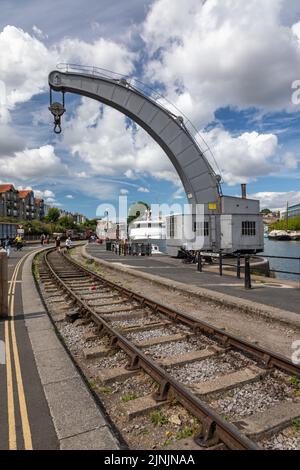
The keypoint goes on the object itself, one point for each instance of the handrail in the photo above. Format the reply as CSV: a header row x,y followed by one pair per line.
x,y
158,98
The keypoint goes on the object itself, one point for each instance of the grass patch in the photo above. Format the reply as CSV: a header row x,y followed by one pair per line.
x,y
93,384
158,418
129,397
185,433
106,390
295,382
296,425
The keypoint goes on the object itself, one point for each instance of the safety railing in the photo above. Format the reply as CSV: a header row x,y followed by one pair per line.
x,y
129,249
158,98
246,267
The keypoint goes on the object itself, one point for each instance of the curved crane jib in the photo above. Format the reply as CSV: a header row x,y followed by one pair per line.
x,y
198,178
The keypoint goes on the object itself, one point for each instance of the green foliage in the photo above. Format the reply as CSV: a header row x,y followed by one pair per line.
x,y
128,397
67,222
294,224
53,215
158,418
296,425
106,390
294,381
89,224
37,227
266,212
184,433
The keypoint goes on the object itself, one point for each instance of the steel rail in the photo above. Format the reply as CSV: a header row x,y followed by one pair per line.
x,y
215,428
268,357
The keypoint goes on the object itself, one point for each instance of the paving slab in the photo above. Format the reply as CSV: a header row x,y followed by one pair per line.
x,y
38,322
72,408
44,341
97,439
54,366
270,421
229,381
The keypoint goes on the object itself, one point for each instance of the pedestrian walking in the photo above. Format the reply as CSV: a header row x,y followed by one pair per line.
x,y
68,243
19,243
57,244
43,236
7,246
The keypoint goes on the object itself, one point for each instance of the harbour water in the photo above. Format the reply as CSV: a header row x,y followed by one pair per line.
x,y
284,248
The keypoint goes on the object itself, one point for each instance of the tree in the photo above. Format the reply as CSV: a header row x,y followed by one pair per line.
x,y
266,212
53,215
67,222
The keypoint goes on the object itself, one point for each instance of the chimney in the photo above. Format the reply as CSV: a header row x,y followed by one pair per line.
x,y
244,191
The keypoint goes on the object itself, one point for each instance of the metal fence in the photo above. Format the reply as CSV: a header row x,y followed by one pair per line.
x,y
129,249
246,267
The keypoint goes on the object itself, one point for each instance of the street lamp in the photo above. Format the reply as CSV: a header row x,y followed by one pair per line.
x,y
106,215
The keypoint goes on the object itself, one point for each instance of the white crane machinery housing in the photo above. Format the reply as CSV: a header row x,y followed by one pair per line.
x,y
231,224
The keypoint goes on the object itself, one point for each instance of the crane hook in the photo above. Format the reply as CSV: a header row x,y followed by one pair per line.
x,y
57,109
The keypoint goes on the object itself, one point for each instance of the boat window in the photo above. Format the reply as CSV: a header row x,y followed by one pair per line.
x,y
149,225
248,229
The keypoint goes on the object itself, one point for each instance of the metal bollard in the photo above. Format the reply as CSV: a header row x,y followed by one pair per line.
x,y
3,284
221,263
199,267
247,273
238,266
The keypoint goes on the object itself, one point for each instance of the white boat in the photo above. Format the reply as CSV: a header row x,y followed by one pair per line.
x,y
279,235
148,230
294,235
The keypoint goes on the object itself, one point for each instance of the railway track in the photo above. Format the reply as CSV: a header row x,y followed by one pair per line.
x,y
210,368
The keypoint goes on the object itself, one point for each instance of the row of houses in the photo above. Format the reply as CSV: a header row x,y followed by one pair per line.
x,y
78,218
22,205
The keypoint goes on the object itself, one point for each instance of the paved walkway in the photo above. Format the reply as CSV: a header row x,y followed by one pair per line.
x,y
44,403
280,295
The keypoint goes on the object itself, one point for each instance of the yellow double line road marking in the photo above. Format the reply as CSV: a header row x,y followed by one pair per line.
x,y
10,385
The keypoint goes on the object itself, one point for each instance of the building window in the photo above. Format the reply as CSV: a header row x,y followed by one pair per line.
x,y
149,225
201,229
248,229
172,227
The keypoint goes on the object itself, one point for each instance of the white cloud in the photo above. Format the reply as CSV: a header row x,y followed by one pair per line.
x,y
290,160
100,53
69,196
44,194
141,189
246,157
39,33
276,200
124,192
26,61
222,54
32,163
105,142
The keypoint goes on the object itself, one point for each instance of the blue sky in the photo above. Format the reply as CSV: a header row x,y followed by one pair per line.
x,y
228,68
